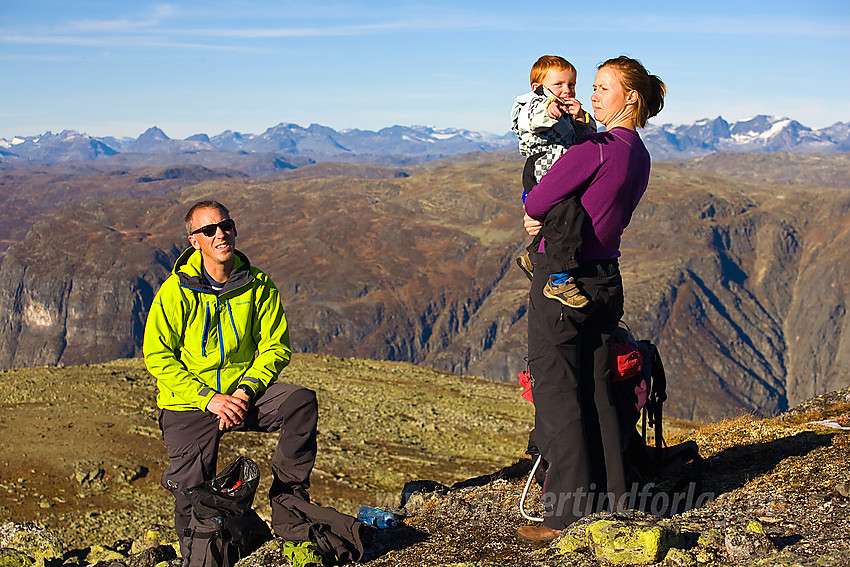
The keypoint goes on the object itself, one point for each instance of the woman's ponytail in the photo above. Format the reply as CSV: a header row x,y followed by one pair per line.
x,y
650,88
655,100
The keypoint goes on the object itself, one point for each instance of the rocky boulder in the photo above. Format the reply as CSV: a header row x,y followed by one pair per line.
x,y
30,544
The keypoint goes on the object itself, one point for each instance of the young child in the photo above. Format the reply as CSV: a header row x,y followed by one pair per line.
x,y
547,120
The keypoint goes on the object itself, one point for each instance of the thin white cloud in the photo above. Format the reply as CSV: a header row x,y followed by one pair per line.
x,y
173,21
710,24
33,57
160,14
125,34
167,26
269,33
324,31
123,41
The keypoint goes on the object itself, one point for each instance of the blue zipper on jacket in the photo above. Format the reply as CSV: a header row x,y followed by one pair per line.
x,y
206,331
233,322
220,336
220,345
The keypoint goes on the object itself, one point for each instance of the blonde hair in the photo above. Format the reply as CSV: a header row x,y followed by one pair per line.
x,y
546,64
650,89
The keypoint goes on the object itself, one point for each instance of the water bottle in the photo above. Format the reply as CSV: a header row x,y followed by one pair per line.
x,y
376,518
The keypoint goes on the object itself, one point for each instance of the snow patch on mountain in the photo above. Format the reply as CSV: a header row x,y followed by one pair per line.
x,y
406,144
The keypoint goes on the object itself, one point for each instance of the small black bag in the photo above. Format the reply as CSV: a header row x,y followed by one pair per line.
x,y
338,536
224,527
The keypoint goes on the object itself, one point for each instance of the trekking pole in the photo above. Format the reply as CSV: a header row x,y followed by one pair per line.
x,y
659,436
525,492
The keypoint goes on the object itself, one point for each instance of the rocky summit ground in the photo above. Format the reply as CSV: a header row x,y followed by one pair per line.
x,y
82,453
777,493
82,457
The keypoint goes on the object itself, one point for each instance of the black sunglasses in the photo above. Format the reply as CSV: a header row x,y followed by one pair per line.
x,y
209,230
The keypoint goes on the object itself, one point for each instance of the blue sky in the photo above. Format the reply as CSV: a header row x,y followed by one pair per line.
x,y
117,68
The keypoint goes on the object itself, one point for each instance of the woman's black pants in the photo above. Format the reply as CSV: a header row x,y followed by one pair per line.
x,y
575,424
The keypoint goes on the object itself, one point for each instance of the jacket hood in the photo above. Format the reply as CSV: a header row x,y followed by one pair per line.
x,y
188,269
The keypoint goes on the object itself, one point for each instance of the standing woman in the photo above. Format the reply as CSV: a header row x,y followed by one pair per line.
x,y
570,350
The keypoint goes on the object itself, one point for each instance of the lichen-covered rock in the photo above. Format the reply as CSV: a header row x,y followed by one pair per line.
x,y
281,553
745,542
756,528
570,543
712,538
103,554
709,545
629,543
14,558
679,558
152,556
89,474
38,542
153,536
268,555
708,556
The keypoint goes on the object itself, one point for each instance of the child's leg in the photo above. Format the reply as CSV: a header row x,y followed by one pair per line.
x,y
529,180
559,278
562,231
524,261
567,293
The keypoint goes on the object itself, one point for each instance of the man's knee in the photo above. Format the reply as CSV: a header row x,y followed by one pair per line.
x,y
301,403
303,397
185,470
282,403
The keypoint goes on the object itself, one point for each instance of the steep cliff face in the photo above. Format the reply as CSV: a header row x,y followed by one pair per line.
x,y
748,304
77,294
742,284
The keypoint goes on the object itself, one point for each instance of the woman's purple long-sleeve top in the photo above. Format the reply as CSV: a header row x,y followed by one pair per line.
x,y
612,168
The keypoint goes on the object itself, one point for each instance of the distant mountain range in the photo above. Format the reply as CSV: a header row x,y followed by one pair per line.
x,y
758,134
287,146
293,145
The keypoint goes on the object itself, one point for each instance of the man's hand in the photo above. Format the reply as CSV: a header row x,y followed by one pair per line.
x,y
230,410
242,395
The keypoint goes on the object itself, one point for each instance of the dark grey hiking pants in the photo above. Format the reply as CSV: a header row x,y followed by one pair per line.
x,y
192,439
575,421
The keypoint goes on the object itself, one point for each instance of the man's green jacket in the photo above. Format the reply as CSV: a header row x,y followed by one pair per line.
x,y
199,342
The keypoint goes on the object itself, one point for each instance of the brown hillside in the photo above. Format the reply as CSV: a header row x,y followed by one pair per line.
x,y
740,282
29,193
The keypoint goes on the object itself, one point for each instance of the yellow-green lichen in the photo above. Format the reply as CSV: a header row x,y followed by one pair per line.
x,y
756,528
98,553
633,543
14,558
